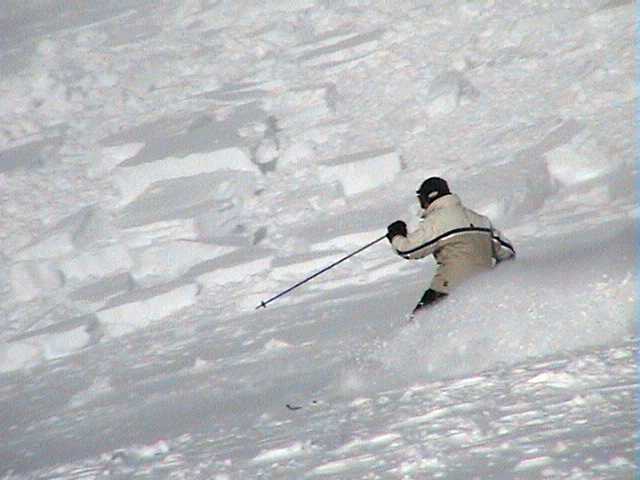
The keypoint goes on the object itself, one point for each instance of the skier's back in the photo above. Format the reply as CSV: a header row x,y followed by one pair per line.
x,y
462,241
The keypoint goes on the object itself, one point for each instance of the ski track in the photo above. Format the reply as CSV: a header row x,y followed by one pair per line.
x,y
166,166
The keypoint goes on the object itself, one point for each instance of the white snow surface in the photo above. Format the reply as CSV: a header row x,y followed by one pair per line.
x,y
167,165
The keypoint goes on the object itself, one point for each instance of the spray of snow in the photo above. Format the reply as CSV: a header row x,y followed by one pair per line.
x,y
538,307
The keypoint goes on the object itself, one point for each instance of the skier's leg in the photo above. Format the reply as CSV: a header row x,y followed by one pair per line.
x,y
429,297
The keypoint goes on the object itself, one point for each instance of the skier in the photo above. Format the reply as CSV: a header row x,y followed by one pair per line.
x,y
462,241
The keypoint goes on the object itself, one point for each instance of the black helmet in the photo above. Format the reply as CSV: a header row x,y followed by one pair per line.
x,y
432,189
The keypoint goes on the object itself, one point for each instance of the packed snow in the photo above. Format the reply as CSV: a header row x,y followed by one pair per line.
x,y
166,166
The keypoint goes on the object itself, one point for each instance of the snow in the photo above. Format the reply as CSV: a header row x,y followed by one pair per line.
x,y
448,91
32,279
557,380
377,441
160,232
580,161
108,158
362,172
163,262
99,388
426,418
238,273
56,245
102,263
479,331
299,269
66,343
134,180
346,242
280,454
127,315
275,345
165,166
18,355
533,464
35,350
340,467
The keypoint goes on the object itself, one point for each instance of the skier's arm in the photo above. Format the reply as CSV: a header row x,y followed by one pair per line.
x,y
417,244
502,247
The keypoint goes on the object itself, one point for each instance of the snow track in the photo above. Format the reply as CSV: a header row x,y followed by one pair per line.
x,y
526,421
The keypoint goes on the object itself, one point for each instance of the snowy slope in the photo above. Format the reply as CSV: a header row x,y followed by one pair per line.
x,y
165,166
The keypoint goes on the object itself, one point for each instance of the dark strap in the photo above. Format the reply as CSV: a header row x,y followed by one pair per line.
x,y
455,231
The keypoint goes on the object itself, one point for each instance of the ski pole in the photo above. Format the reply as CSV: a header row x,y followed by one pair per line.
x,y
281,294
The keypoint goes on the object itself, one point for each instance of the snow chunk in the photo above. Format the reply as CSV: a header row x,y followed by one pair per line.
x,y
426,418
377,441
98,293
296,155
274,345
619,462
132,181
90,227
579,161
135,313
448,91
299,269
158,232
347,242
56,245
295,450
168,261
361,402
33,279
78,231
57,345
100,387
200,365
238,273
302,108
556,379
340,466
421,464
149,452
49,48
267,151
362,172
216,201
475,9
109,158
102,263
33,351
140,454
18,355
291,7
533,464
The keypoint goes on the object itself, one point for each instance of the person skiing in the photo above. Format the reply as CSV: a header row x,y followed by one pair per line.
x,y
463,242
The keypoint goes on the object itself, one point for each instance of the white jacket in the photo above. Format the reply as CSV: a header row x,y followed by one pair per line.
x,y
462,241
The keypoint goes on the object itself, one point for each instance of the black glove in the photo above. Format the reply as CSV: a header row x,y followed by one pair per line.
x,y
396,228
